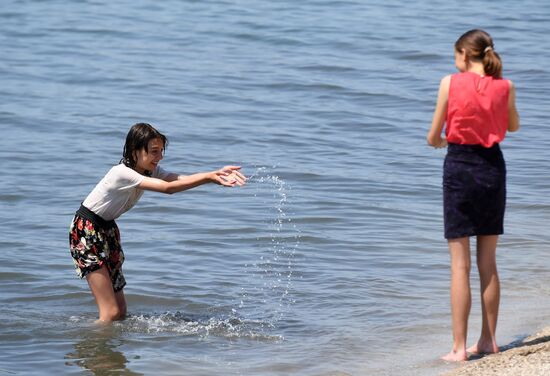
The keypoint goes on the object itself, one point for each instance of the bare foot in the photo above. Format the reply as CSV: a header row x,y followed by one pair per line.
x,y
455,356
482,348
102,322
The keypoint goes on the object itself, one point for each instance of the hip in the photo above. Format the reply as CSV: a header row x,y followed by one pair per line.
x,y
474,166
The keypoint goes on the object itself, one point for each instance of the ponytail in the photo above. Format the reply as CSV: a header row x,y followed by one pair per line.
x,y
492,63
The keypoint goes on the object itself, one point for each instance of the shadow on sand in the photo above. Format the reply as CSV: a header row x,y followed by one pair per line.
x,y
524,341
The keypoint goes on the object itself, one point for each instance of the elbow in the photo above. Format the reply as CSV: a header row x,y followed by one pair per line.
x,y
168,189
513,127
513,121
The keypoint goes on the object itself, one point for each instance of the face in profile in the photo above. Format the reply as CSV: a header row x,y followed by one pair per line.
x,y
148,160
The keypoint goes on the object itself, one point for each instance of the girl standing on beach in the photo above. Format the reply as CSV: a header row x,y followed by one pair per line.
x,y
478,107
94,238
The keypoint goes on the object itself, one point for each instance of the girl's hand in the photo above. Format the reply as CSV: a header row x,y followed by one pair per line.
x,y
228,176
441,143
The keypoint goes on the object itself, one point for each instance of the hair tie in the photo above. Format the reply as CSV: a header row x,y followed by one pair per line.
x,y
487,49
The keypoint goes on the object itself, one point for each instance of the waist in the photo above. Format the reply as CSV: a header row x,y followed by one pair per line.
x,y
86,213
475,154
473,148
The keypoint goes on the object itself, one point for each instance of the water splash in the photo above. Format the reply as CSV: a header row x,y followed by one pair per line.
x,y
182,324
270,276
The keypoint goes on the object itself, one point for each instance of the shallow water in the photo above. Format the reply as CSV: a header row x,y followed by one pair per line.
x,y
331,260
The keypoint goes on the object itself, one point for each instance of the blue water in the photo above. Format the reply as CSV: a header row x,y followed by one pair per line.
x,y
331,261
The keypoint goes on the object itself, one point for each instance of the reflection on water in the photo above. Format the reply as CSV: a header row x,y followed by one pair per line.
x,y
99,352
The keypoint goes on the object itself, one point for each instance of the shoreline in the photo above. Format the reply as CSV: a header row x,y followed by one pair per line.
x,y
527,357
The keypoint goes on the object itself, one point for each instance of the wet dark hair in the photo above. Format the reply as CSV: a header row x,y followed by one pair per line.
x,y
478,45
138,138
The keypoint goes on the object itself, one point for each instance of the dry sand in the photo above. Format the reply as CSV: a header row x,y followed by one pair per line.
x,y
529,357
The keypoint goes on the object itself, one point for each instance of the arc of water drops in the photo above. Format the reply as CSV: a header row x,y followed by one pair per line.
x,y
279,249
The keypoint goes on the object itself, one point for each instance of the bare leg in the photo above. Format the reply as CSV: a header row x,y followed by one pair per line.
x,y
461,299
490,294
121,302
105,297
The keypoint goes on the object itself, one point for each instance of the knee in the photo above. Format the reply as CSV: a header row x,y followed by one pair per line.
x,y
486,265
461,267
113,313
487,272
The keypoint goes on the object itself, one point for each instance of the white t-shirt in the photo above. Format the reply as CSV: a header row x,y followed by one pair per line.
x,y
117,192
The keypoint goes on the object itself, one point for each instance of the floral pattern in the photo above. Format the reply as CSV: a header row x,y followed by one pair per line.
x,y
93,246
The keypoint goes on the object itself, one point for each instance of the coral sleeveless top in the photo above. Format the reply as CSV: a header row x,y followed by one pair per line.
x,y
477,110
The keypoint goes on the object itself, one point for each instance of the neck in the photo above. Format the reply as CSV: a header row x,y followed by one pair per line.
x,y
476,67
140,170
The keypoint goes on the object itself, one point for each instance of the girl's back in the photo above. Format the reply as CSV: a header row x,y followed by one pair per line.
x,y
477,112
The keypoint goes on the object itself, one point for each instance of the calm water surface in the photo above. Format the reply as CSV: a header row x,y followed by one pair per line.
x,y
331,261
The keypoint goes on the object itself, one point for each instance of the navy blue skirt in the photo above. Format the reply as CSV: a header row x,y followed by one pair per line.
x,y
474,191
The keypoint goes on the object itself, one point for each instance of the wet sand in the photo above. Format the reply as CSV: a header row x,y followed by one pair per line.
x,y
527,357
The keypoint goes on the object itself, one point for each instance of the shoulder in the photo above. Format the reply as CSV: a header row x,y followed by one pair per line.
x,y
122,171
503,82
504,85
445,82
458,77
447,79
115,170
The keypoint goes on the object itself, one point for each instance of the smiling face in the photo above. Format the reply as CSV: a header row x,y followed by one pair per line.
x,y
147,160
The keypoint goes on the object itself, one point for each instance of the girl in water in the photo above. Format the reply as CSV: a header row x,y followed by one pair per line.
x,y
94,238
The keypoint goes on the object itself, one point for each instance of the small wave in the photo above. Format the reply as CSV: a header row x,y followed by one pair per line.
x,y
326,68
419,56
11,197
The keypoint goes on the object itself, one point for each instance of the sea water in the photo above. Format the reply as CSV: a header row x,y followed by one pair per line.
x,y
331,260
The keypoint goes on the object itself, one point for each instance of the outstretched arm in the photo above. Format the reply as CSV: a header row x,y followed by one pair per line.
x,y
228,176
434,135
513,116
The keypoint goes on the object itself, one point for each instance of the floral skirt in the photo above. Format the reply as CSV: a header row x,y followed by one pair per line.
x,y
94,243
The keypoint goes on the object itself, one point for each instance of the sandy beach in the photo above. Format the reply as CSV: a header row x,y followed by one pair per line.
x,y
528,357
